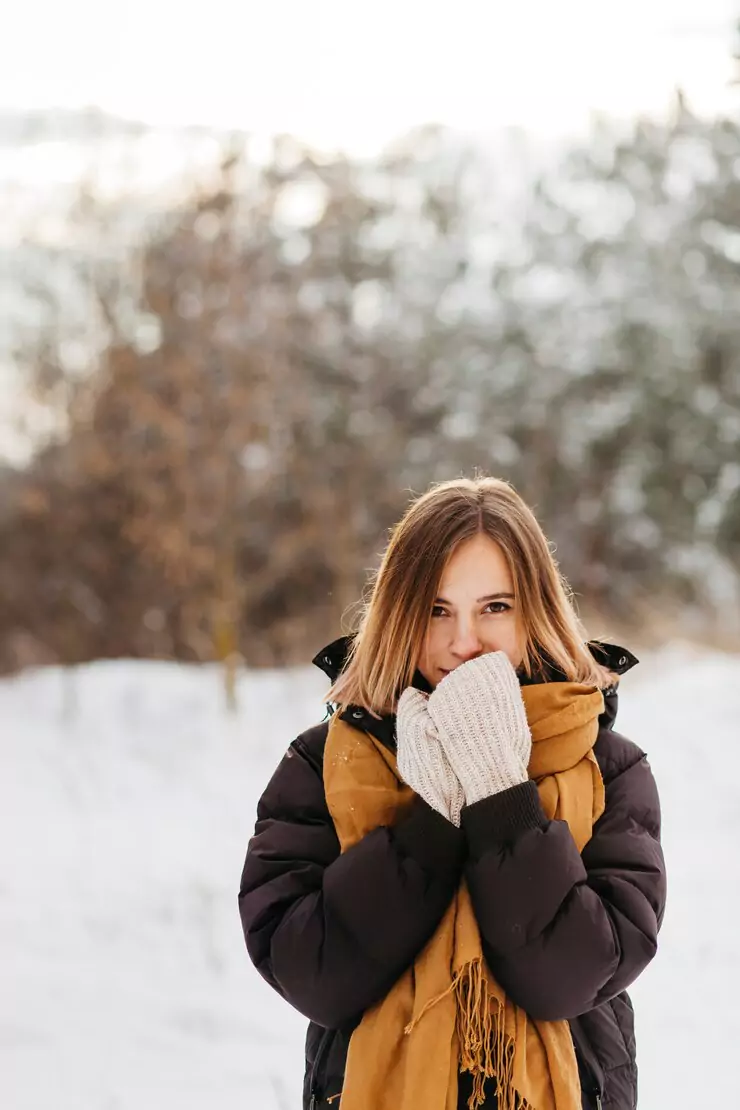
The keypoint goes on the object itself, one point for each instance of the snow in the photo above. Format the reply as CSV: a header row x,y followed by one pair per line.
x,y
127,797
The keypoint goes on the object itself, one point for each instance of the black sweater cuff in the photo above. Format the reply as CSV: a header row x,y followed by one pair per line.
x,y
435,843
500,818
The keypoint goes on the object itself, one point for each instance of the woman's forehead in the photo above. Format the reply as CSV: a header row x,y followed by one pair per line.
x,y
480,565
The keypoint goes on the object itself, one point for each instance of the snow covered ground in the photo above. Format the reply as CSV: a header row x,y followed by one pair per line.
x,y
127,796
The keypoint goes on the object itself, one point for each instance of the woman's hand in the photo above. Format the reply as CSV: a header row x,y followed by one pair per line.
x,y
482,725
422,762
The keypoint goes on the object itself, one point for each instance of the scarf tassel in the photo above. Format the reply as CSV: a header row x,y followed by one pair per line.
x,y
485,1050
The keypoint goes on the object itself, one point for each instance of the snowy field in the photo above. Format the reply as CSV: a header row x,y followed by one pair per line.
x,y
127,796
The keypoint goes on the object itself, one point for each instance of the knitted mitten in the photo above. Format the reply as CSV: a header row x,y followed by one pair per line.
x,y
422,763
482,725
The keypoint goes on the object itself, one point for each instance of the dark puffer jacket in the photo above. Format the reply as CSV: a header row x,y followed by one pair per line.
x,y
565,934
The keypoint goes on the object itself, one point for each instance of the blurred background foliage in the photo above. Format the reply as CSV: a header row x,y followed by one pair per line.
x,y
231,395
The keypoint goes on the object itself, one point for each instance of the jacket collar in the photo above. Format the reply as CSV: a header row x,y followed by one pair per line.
x,y
332,658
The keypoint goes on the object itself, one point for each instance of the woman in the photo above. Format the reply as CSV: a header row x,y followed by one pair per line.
x,y
456,877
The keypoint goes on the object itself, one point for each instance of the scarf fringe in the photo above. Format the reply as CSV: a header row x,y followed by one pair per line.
x,y
485,1049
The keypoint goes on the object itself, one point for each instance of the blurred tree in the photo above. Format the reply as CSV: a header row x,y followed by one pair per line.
x,y
243,403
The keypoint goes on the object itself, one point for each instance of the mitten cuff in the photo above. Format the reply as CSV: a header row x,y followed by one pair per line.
x,y
430,839
502,817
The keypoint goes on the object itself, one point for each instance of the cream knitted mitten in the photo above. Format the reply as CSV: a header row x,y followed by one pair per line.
x,y
422,762
482,725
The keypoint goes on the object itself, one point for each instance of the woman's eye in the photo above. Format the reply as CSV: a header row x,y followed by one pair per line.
x,y
437,611
498,607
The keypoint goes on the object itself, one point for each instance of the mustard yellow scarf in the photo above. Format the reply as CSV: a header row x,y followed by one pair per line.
x,y
447,1013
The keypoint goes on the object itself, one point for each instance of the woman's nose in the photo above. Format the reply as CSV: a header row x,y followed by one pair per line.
x,y
467,644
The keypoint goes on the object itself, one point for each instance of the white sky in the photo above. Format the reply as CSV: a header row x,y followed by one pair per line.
x,y
351,73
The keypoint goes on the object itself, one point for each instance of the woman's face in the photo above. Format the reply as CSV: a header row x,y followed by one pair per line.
x,y
474,613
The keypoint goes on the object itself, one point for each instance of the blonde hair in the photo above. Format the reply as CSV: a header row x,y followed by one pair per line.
x,y
395,620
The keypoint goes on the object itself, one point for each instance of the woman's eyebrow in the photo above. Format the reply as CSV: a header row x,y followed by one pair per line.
x,y
480,600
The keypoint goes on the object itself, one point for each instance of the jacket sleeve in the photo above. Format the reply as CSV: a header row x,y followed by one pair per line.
x,y
332,933
563,932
